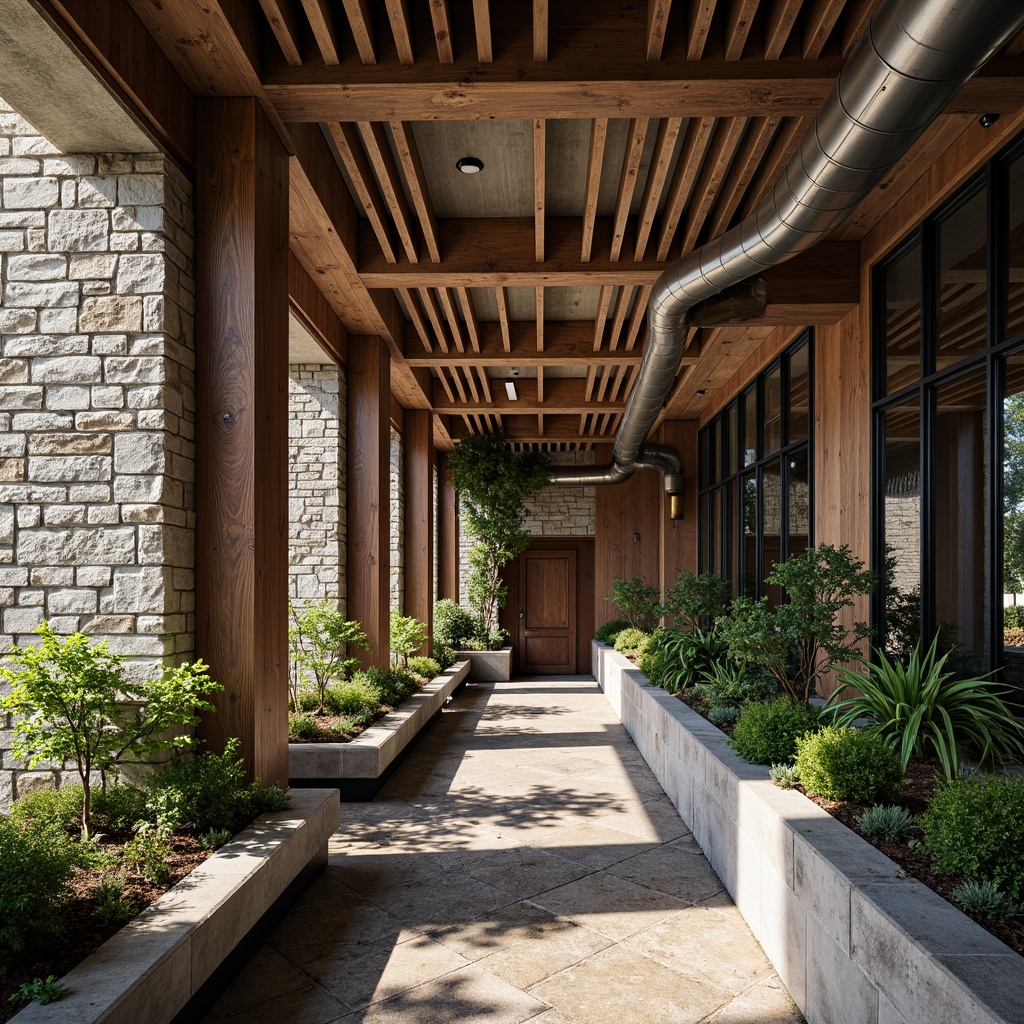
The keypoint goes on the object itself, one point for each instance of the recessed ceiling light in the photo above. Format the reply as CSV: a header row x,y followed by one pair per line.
x,y
469,165
510,390
702,391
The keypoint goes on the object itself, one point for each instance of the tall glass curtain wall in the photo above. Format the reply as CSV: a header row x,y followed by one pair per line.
x,y
948,306
755,474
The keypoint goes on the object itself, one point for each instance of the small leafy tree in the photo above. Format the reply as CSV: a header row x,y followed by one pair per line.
x,y
636,601
800,639
408,635
319,638
73,702
696,601
493,484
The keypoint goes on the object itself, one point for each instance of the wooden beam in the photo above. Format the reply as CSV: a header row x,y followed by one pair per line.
x,y
398,15
360,20
741,17
571,86
627,181
727,139
661,161
308,304
442,32
325,31
782,149
748,160
856,18
563,395
501,298
539,174
419,518
286,28
482,24
242,426
379,151
698,138
540,30
820,20
701,13
595,161
781,18
409,155
657,24
369,471
524,429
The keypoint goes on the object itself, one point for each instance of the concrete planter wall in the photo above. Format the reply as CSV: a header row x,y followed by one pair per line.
x,y
854,940
360,767
489,666
164,965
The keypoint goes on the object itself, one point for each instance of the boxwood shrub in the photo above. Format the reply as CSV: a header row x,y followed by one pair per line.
x,y
848,764
766,733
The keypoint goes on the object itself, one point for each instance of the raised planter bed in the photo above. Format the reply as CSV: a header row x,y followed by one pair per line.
x,y
853,939
171,962
358,768
489,666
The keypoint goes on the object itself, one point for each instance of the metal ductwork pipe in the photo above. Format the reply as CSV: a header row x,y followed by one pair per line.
x,y
916,56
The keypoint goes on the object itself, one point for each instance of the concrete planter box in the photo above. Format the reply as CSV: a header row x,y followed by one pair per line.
x,y
172,961
489,666
853,939
360,767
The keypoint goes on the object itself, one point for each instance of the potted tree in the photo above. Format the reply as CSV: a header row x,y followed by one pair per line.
x,y
493,483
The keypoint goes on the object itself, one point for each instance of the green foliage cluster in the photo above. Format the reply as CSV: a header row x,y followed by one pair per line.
x,y
632,641
607,633
783,775
887,821
72,701
1013,616
39,990
425,668
113,907
731,686
453,625
697,601
149,850
848,764
920,708
974,828
636,601
985,899
767,733
800,639
493,483
443,655
389,686
319,638
408,635
37,861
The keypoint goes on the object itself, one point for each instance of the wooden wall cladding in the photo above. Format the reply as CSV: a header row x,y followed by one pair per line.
x,y
242,429
419,517
679,536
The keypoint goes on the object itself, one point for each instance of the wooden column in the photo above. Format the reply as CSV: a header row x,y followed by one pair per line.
x,y
369,497
419,517
447,535
242,429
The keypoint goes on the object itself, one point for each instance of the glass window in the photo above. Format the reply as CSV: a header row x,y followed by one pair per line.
x,y
750,427
771,522
773,411
703,459
799,506
903,320
963,282
748,499
1013,517
1015,293
714,453
799,393
730,518
733,439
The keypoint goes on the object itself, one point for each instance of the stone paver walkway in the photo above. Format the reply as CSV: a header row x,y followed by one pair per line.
x,y
522,864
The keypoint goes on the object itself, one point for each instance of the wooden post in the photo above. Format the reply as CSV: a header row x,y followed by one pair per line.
x,y
419,518
242,429
447,535
369,494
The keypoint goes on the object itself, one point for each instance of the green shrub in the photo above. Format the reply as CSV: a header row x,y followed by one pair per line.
x,y
303,726
39,990
696,601
637,602
389,686
443,655
608,633
690,657
848,764
119,808
652,660
425,668
61,807
632,641
37,862
1013,616
723,714
766,733
919,707
113,907
408,635
453,625
733,685
214,839
355,699
985,899
975,829
149,850
890,822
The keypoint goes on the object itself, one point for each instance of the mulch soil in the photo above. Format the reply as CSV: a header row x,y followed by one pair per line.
x,y
83,932
918,789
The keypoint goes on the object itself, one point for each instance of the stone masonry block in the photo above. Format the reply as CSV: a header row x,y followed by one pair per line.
x,y
111,313
136,369
97,191
67,370
86,546
139,453
70,469
36,293
36,268
141,190
13,371
137,275
30,193
17,321
166,545
838,991
100,266
22,620
78,230
141,589
6,524
69,444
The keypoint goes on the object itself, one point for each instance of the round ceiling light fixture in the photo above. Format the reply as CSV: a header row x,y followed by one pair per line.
x,y
469,165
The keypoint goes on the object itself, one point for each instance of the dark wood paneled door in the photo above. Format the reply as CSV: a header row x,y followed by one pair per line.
x,y
548,589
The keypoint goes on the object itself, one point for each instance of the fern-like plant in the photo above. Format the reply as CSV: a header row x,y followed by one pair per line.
x,y
920,707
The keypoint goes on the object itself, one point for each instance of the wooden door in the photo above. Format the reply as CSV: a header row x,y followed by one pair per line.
x,y
548,589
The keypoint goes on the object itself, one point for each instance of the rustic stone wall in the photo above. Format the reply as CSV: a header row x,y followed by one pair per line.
x,y
397,512
97,403
317,461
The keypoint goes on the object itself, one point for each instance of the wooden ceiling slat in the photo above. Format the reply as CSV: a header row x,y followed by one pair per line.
x,y
627,181
821,19
603,302
398,15
1015,47
442,31
379,151
353,156
325,32
485,384
748,160
539,165
360,20
470,318
727,140
540,385
560,396
412,166
657,23
434,315
661,161
781,19
471,383
856,18
602,386
442,376
482,21
784,146
416,318
540,30
698,137
501,299
637,316
741,17
460,390
539,316
591,379
286,28
701,13
595,161
621,312
448,304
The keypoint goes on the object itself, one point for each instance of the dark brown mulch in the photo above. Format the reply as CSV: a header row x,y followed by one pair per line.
x,y
83,931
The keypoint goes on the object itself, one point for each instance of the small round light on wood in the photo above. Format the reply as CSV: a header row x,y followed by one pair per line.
x,y
469,165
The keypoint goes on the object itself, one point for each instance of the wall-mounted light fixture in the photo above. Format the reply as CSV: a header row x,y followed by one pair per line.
x,y
510,390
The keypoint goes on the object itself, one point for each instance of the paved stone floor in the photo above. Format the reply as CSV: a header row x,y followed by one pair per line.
x,y
521,864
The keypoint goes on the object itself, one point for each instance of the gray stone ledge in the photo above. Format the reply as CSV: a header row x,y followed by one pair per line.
x,y
853,939
372,752
149,970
